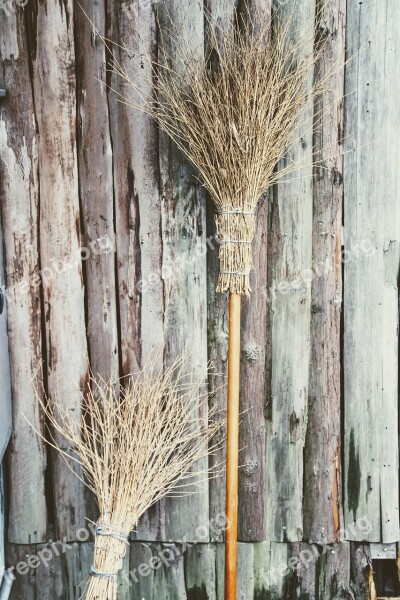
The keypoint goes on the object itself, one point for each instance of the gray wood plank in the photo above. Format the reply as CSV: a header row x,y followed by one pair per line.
x,y
334,572
372,244
291,260
304,575
19,207
245,571
361,570
185,300
218,316
200,572
95,163
137,196
323,513
54,86
5,397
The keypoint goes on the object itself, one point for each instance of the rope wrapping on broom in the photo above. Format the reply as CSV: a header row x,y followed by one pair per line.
x,y
112,532
235,229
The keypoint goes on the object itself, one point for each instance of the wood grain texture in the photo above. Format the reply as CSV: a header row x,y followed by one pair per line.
x,y
19,206
290,264
139,243
5,397
372,245
184,274
323,512
218,315
60,249
96,190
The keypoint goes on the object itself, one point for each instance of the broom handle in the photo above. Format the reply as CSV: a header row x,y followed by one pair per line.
x,y
232,447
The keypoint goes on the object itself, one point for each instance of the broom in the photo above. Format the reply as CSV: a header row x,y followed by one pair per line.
x,y
132,445
233,114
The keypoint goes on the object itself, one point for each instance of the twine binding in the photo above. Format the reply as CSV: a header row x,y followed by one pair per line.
x,y
235,229
108,530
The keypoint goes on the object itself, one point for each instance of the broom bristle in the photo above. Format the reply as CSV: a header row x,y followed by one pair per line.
x,y
233,113
134,445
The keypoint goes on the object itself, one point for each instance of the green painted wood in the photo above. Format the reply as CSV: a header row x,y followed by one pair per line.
x,y
372,245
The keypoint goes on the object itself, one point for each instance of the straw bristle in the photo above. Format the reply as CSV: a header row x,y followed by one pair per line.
x,y
233,114
134,445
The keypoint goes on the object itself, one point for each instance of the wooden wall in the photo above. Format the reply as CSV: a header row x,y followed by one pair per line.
x,y
320,350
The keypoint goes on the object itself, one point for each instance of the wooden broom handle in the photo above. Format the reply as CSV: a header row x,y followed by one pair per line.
x,y
232,447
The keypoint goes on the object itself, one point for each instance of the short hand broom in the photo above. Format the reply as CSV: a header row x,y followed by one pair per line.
x,y
132,446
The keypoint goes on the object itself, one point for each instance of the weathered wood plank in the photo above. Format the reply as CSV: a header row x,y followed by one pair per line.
x,y
253,386
361,569
200,572
184,276
24,585
55,102
157,572
96,190
19,206
245,571
252,430
304,572
322,462
218,315
333,580
137,195
372,243
290,256
5,378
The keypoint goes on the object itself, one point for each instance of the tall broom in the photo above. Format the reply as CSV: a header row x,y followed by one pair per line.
x,y
132,446
233,114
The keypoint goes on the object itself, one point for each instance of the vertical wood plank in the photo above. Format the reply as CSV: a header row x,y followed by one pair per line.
x,y
24,585
137,195
253,386
200,572
262,559
372,244
245,571
218,315
334,573
55,103
361,569
184,232
5,378
19,188
95,162
322,457
303,584
290,326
